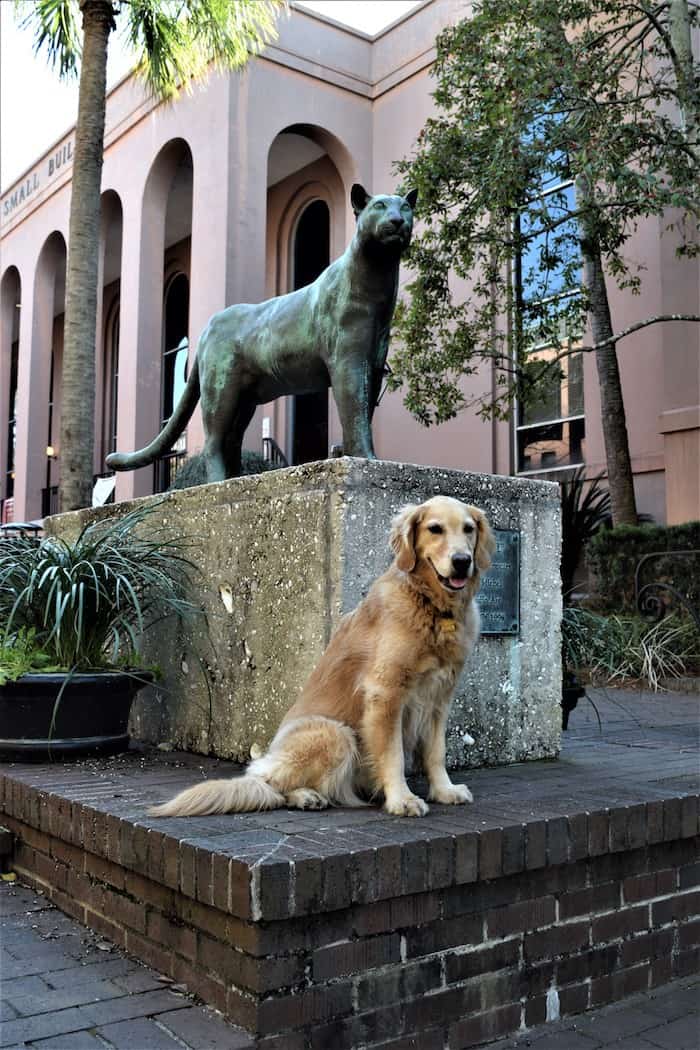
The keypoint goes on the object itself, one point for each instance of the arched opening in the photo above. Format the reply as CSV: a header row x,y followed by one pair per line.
x,y
310,257
306,216
176,311
168,226
52,267
111,380
10,305
107,371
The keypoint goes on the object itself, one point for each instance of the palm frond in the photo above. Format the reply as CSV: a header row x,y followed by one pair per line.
x,y
56,26
178,41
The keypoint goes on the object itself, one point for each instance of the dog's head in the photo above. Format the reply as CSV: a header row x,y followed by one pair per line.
x,y
443,542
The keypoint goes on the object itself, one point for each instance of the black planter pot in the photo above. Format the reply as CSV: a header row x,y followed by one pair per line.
x,y
91,718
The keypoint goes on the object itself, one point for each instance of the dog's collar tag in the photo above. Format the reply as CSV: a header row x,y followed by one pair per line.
x,y
449,625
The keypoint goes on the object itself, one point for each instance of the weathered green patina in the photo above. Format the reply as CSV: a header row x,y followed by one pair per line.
x,y
334,332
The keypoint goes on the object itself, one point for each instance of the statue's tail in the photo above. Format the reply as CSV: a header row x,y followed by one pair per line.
x,y
168,435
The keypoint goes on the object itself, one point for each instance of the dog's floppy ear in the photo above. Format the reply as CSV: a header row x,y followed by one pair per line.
x,y
485,541
403,535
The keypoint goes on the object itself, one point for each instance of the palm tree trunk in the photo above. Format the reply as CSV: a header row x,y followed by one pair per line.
x,y
78,376
612,406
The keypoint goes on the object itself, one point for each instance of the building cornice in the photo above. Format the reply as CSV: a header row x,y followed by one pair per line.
x,y
38,183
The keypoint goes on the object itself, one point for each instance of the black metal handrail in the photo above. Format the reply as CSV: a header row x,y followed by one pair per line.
x,y
273,453
649,597
165,468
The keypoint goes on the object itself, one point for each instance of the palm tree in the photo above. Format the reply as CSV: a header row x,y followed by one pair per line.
x,y
175,40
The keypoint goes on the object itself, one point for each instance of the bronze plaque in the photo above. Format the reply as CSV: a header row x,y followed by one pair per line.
x,y
499,596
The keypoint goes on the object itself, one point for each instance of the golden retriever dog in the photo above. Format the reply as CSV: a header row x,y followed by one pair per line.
x,y
383,687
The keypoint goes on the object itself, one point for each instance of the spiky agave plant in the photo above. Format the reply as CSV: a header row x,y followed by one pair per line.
x,y
88,601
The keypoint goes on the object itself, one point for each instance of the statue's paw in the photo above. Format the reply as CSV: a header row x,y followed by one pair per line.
x,y
406,806
456,795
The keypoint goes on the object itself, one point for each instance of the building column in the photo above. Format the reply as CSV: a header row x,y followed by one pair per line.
x,y
140,334
10,298
212,226
33,383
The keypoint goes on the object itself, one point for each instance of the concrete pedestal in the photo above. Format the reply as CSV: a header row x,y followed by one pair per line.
x,y
285,554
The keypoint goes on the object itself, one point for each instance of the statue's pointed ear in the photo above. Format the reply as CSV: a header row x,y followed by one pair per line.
x,y
358,198
412,197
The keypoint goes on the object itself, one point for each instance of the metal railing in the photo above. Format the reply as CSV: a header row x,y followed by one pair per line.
x,y
655,599
49,495
49,501
273,453
165,468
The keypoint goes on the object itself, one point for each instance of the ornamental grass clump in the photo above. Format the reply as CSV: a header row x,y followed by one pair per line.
x,y
622,648
83,605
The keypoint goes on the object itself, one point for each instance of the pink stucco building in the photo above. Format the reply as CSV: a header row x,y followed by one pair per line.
x,y
240,191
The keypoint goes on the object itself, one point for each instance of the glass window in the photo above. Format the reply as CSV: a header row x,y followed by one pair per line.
x,y
12,423
174,372
111,401
550,427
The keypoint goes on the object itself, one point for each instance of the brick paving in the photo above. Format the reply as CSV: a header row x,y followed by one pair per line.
x,y
64,987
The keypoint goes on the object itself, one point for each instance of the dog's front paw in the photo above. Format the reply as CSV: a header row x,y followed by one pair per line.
x,y
455,795
406,806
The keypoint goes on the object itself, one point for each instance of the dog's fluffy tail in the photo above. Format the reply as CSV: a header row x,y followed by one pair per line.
x,y
245,794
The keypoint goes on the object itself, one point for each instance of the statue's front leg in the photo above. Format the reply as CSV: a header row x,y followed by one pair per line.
x,y
352,391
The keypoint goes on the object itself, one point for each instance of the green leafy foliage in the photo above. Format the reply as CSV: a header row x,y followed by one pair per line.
x,y
612,556
194,471
84,605
22,655
619,648
558,123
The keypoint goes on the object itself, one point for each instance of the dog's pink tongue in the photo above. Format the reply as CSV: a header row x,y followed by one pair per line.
x,y
457,584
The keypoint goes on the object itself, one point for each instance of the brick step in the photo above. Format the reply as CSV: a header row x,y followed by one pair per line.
x,y
555,893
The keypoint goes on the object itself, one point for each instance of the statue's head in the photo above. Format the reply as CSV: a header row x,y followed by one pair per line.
x,y
385,219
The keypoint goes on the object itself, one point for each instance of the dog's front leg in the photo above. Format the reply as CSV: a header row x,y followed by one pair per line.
x,y
383,741
441,787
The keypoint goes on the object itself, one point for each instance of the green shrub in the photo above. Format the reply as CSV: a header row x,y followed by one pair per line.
x,y
612,556
193,471
619,648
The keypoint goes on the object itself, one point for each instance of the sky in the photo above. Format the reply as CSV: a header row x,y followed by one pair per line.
x,y
36,108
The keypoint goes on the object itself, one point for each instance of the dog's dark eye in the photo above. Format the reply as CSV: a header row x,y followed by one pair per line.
x,y
437,529
380,204
468,528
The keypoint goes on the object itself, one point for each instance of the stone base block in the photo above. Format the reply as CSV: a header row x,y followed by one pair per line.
x,y
284,555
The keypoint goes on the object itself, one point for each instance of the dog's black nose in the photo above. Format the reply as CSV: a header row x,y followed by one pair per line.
x,y
460,565
396,223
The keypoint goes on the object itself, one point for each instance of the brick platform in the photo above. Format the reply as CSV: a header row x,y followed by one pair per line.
x,y
567,885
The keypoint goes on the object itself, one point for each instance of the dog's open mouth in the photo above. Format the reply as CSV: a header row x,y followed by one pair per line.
x,y
450,583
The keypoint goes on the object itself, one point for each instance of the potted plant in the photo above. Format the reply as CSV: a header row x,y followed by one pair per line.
x,y
71,616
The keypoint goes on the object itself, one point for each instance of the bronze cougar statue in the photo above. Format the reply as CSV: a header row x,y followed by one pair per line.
x,y
334,332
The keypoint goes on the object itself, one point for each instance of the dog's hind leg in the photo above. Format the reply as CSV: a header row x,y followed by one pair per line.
x,y
306,798
313,762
